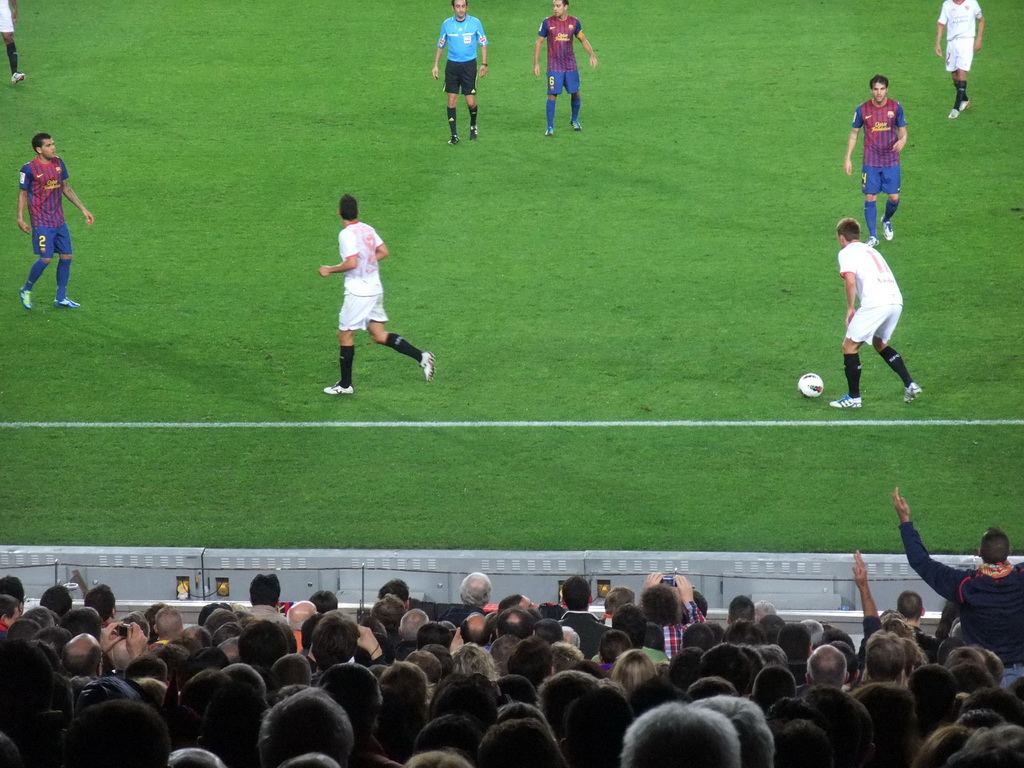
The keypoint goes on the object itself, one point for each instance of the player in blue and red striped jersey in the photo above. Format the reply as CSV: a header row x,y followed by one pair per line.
x,y
44,182
885,134
560,30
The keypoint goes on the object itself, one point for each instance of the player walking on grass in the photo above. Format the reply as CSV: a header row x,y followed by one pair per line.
x,y
868,277
885,134
461,33
559,30
958,17
8,17
363,309
44,182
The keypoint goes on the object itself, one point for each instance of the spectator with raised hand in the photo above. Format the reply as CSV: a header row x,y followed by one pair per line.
x,y
670,606
991,597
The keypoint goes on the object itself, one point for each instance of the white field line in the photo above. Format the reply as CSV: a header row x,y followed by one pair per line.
x,y
495,424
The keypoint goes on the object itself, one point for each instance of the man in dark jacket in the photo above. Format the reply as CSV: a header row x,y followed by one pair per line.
x,y
991,597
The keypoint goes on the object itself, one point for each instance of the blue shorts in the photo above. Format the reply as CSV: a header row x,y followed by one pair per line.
x,y
875,180
47,241
557,81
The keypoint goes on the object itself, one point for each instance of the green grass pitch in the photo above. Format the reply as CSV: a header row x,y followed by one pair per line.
x,y
674,261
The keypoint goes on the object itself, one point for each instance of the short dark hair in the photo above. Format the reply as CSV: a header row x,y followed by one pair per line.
x,y
744,632
849,229
631,620
57,598
348,208
576,593
262,643
881,79
39,138
11,585
531,658
509,601
910,605
324,600
101,597
995,546
741,607
395,587
265,589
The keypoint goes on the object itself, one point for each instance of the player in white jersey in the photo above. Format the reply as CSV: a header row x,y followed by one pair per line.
x,y
867,276
959,18
363,309
8,17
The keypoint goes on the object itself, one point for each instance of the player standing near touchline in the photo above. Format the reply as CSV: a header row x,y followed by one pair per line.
x,y
959,17
44,181
563,74
867,276
363,309
461,33
885,134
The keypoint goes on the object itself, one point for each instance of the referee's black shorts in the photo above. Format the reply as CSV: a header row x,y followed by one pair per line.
x,y
460,75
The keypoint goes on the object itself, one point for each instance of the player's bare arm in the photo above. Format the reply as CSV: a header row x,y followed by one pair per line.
x,y
382,252
902,508
14,11
938,40
981,31
350,262
851,144
22,202
69,193
536,56
590,51
850,283
437,59
901,142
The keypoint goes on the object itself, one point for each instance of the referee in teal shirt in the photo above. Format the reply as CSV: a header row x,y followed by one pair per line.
x,y
462,33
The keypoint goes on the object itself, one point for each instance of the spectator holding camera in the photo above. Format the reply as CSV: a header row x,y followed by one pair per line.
x,y
669,603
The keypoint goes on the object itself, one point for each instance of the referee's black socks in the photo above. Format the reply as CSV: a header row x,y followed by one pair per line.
x,y
472,116
452,113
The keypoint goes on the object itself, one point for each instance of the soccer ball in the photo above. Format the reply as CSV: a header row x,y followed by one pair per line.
x,y
810,385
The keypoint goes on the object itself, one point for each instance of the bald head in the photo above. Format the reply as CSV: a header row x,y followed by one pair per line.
x,y
299,612
82,656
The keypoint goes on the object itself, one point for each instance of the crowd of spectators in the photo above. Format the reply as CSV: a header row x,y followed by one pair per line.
x,y
494,684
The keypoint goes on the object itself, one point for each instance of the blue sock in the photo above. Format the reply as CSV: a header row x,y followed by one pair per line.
x,y
890,209
576,108
551,114
63,274
871,216
34,274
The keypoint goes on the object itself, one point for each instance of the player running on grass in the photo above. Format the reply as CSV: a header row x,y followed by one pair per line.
x,y
363,309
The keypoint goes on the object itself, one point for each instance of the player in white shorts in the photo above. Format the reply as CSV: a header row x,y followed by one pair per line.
x,y
867,276
9,15
958,18
363,309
